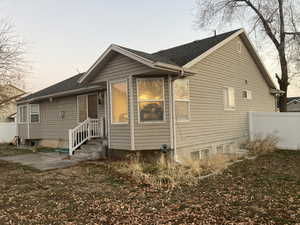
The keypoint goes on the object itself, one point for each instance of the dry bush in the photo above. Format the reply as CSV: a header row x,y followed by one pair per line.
x,y
172,174
262,145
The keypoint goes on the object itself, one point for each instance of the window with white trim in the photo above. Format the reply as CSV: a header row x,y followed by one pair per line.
x,y
229,98
34,113
22,114
182,100
150,99
119,102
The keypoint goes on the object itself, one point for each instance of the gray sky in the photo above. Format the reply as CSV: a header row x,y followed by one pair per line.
x,y
67,36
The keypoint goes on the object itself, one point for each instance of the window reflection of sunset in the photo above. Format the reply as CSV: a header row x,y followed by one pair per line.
x,y
150,99
119,102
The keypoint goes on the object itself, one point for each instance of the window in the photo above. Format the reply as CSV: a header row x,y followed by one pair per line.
x,y
22,114
182,100
150,99
247,95
195,155
220,149
204,153
201,154
229,98
34,113
119,100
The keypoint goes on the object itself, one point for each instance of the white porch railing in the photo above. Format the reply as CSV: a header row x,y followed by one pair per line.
x,y
90,128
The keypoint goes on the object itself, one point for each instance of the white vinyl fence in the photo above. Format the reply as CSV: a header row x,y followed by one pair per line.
x,y
7,132
285,126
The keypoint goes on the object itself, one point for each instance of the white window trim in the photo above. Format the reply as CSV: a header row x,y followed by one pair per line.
x,y
138,101
30,113
110,97
183,100
19,114
227,108
87,104
248,91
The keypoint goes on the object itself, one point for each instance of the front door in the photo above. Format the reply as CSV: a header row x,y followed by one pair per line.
x,y
87,107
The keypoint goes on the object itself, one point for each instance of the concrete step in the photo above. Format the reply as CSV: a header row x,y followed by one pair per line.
x,y
89,155
91,148
90,151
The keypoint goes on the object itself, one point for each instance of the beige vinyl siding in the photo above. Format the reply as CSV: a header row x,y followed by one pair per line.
x,y
210,123
120,133
150,136
51,126
119,67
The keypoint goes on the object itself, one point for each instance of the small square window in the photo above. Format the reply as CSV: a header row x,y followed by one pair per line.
x,y
204,153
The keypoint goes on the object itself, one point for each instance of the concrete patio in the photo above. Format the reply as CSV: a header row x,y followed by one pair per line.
x,y
44,160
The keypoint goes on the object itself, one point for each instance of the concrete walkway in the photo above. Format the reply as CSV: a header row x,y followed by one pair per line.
x,y
43,160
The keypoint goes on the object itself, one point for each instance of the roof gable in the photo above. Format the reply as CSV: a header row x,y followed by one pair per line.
x,y
173,58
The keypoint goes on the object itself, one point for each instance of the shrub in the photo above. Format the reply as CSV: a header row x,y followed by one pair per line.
x,y
262,145
161,173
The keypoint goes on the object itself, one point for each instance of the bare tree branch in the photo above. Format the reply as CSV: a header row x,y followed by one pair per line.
x,y
12,59
275,20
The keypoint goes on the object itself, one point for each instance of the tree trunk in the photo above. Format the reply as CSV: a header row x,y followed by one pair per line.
x,y
283,99
283,82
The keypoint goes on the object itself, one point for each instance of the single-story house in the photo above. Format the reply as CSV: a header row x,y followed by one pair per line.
x,y
193,98
293,104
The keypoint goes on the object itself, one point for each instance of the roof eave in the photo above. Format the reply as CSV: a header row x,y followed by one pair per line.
x,y
61,94
173,68
211,50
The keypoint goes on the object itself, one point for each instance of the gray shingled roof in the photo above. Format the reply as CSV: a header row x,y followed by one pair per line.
x,y
178,56
65,85
181,55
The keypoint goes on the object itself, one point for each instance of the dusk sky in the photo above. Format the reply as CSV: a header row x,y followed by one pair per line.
x,y
66,37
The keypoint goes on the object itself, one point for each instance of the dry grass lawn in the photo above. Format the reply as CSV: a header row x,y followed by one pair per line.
x,y
261,191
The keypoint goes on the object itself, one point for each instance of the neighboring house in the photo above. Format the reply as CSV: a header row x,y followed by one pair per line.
x,y
8,107
194,98
293,104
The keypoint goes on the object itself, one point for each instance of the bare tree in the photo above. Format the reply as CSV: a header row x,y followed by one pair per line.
x,y
12,59
276,21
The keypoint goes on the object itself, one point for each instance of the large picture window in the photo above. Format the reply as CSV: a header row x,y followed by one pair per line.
x,y
182,100
150,99
119,100
22,114
34,113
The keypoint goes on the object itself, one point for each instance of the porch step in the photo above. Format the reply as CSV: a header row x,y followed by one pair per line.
x,y
92,150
